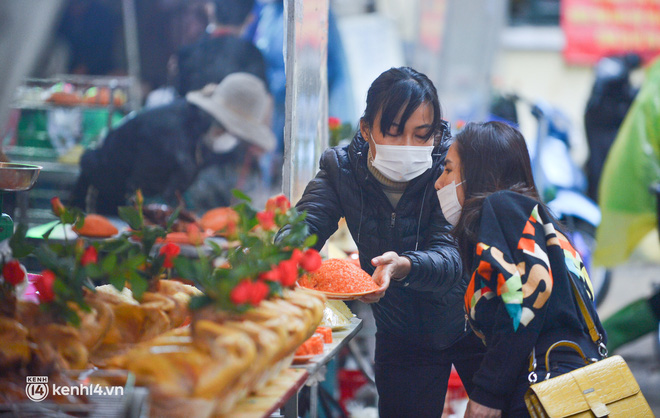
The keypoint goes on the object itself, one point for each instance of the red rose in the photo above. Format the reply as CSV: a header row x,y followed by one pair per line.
x,y
296,255
13,272
288,272
311,260
279,202
241,293
266,219
44,286
58,207
272,275
170,250
90,256
334,122
258,292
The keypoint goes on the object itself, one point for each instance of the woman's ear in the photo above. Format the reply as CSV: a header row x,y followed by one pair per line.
x,y
364,129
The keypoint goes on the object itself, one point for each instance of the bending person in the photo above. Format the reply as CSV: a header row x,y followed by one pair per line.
x,y
161,149
520,296
382,184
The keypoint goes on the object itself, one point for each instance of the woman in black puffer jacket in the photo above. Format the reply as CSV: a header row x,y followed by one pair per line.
x,y
383,186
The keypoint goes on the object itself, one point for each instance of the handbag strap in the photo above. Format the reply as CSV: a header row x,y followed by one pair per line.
x,y
596,337
591,325
569,344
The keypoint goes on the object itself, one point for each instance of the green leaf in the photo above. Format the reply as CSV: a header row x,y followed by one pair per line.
x,y
60,287
186,268
131,216
198,302
20,248
115,245
215,247
241,196
94,271
173,217
46,257
71,317
118,281
108,263
138,285
50,231
134,262
68,217
310,241
79,222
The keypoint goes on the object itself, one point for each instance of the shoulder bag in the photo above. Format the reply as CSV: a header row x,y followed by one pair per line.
x,y
605,388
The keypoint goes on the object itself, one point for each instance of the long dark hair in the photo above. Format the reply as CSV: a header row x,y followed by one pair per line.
x,y
494,157
398,87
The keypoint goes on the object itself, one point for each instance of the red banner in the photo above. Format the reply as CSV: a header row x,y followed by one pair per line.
x,y
596,28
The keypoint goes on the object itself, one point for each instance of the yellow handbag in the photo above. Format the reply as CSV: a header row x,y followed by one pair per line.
x,y
599,389
604,388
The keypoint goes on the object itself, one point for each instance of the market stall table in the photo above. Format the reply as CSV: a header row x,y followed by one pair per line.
x,y
282,393
316,366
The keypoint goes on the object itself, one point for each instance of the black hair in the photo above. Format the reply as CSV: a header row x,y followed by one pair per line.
x,y
232,12
399,87
493,157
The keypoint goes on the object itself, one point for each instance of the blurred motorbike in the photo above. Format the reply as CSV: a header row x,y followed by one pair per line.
x,y
611,96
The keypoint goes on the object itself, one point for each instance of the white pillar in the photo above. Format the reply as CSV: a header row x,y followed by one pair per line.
x,y
306,122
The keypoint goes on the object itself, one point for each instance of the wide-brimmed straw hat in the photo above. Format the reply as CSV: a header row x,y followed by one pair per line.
x,y
240,103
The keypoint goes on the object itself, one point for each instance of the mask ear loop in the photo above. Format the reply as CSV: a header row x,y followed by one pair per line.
x,y
369,154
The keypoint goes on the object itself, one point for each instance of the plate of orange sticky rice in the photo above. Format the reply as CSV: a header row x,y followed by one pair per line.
x,y
340,280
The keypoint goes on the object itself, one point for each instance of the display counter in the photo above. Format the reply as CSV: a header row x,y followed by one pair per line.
x,y
282,393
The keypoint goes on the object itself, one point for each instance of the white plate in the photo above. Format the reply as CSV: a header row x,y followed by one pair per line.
x,y
304,359
340,296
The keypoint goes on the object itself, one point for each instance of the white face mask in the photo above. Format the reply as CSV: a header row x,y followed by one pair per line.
x,y
449,203
402,162
222,143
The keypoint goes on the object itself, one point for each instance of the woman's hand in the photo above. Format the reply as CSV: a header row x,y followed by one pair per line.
x,y
388,266
477,410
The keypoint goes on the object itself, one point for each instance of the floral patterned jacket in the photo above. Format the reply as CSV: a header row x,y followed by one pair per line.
x,y
520,296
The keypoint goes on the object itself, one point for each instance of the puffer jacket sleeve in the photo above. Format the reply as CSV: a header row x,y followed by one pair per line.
x,y
438,268
321,200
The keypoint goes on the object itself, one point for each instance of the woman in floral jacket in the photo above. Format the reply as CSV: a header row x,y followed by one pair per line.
x,y
519,297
